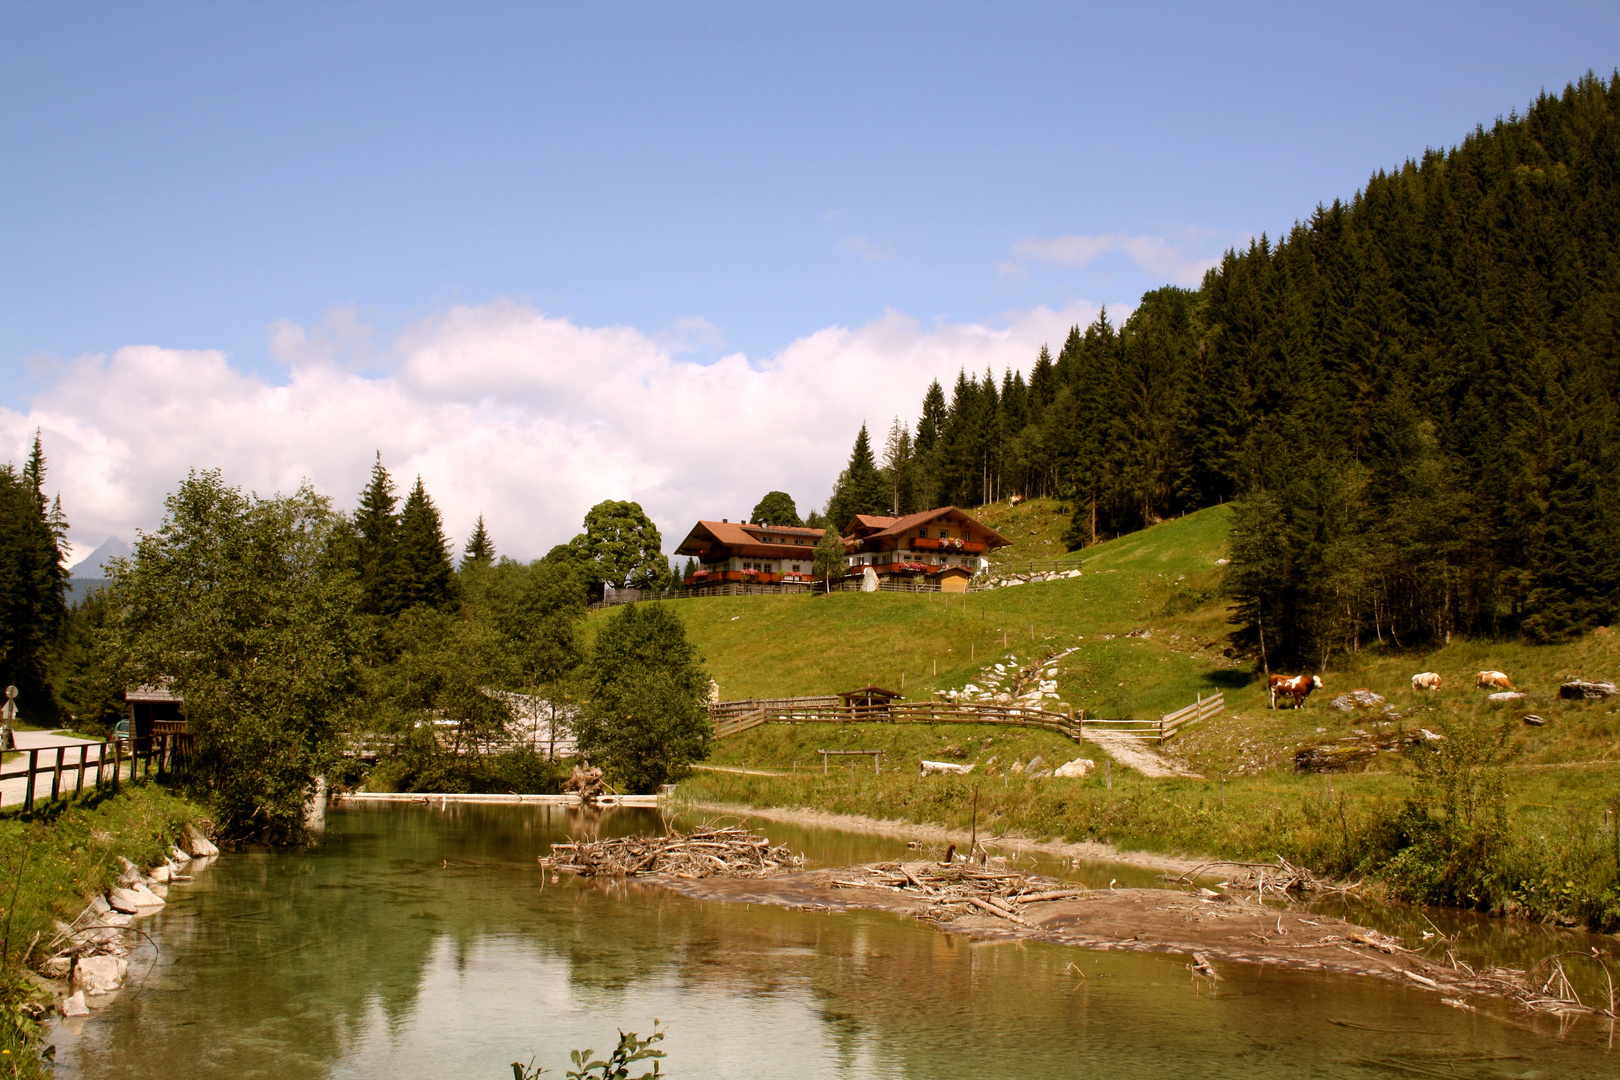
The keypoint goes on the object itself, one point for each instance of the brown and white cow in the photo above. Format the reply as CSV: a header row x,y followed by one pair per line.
x,y
1493,680
1426,680
1298,687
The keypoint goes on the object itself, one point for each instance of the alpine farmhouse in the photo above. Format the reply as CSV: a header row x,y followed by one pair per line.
x,y
943,547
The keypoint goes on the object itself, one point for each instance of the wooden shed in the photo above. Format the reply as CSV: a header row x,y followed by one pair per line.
x,y
869,699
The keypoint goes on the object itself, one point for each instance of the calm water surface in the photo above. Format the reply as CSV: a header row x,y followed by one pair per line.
x,y
419,943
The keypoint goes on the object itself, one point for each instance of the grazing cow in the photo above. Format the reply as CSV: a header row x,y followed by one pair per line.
x,y
1492,680
1015,500
1426,680
1298,687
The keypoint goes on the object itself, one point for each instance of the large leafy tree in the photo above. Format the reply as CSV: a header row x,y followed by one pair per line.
x,y
238,603
33,582
776,508
621,546
645,722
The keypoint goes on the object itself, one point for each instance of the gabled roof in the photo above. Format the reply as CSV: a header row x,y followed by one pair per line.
x,y
889,526
736,534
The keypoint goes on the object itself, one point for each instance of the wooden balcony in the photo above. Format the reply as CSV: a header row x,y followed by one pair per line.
x,y
966,547
719,577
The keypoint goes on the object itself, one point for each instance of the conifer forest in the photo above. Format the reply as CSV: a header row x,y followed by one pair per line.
x,y
1411,396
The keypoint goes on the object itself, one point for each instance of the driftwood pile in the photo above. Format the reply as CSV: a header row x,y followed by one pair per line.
x,y
1278,878
728,852
955,889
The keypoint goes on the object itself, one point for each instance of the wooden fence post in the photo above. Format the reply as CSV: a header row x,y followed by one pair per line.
x,y
33,764
56,773
78,784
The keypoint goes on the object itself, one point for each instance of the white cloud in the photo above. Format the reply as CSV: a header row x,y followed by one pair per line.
x,y
525,418
1179,264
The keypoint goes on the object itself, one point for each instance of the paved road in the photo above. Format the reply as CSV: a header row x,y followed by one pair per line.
x,y
14,790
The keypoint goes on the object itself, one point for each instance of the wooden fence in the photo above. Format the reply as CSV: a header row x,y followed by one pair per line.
x,y
732,717
1202,709
95,764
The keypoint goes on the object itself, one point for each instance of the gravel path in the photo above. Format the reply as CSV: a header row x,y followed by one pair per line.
x,y
1134,752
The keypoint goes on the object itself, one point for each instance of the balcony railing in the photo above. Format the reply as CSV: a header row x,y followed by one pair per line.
x,y
966,547
758,577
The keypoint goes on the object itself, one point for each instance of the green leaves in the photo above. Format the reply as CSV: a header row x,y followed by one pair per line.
x,y
238,604
645,722
621,546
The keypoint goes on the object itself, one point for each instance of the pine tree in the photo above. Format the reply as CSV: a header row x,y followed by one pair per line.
x,y
899,469
376,520
480,548
425,574
861,488
33,586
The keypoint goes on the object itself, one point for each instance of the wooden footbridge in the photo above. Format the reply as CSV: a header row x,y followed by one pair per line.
x,y
862,707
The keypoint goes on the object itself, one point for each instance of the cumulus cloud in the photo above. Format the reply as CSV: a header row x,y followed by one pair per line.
x,y
526,418
1178,263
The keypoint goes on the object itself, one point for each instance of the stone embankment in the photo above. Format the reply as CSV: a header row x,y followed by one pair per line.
x,y
89,965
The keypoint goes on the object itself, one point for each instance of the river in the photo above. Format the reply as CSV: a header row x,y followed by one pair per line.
x,y
418,942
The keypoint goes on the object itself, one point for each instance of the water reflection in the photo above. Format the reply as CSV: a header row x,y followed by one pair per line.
x,y
420,942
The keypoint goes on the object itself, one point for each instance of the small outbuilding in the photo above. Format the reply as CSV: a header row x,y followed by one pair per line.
x,y
869,699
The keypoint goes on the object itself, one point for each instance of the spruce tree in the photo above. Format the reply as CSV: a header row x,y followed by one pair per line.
x,y
480,548
33,586
861,488
426,577
376,520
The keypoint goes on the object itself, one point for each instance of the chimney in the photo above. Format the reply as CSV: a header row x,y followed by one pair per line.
x,y
725,521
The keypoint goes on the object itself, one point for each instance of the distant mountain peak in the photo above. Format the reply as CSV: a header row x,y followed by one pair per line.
x,y
93,565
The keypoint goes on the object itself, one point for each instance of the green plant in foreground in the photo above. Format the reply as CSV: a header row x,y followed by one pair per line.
x,y
631,1049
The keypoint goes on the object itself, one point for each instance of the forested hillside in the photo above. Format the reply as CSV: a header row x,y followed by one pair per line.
x,y
1412,396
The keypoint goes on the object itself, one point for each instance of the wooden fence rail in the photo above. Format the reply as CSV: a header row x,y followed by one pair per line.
x,y
95,764
732,717
1202,709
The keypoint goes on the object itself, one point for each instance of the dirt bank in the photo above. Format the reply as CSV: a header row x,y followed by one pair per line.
x,y
1209,928
1089,850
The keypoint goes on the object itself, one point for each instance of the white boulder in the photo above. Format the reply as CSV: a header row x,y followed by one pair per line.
x,y
199,845
940,768
97,975
74,1005
1079,768
1506,697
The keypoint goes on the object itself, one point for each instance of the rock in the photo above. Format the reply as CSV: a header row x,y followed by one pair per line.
x,y
57,967
1581,690
199,845
937,768
131,873
1533,720
73,1005
1222,562
160,875
1506,697
1017,766
116,919
178,857
1357,699
124,900
1034,763
100,906
96,975
1078,768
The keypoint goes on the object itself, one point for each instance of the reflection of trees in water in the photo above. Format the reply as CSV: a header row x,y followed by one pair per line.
x,y
288,959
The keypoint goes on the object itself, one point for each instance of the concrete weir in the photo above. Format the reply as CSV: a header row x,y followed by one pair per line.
x,y
450,797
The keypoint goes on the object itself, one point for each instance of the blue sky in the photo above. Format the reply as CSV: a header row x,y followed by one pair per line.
x,y
722,179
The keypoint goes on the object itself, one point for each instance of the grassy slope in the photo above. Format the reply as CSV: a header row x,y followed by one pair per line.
x,y
1164,579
